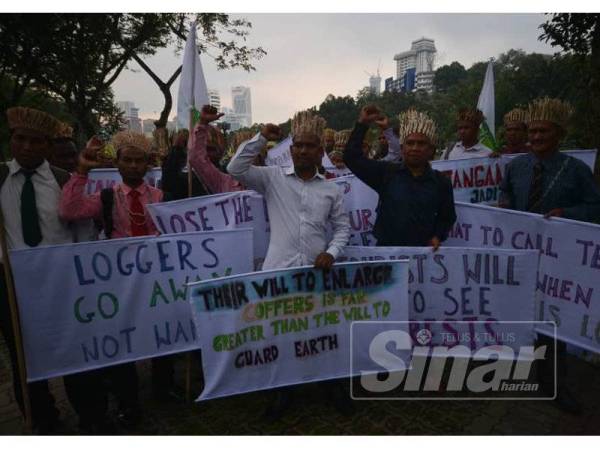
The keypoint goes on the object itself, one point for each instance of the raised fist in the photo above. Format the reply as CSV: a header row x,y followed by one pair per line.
x,y
271,132
369,114
88,160
209,114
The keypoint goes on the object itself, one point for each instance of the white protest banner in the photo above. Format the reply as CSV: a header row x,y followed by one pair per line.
x,y
567,283
280,154
478,287
282,327
360,201
107,302
230,211
99,179
474,180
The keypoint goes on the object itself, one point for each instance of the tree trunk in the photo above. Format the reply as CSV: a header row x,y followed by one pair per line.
x,y
164,114
162,134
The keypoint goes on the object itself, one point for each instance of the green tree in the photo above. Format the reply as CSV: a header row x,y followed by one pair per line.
x,y
579,35
448,76
339,112
213,28
76,57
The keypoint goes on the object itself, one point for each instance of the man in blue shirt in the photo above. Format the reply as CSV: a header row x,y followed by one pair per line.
x,y
416,203
548,182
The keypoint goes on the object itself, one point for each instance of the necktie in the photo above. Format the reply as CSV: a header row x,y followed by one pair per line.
x,y
30,221
137,217
534,203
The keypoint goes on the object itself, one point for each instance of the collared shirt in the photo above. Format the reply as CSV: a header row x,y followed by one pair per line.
x,y
299,211
76,205
459,151
574,190
47,196
215,180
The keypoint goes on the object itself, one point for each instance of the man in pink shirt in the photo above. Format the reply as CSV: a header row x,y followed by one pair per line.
x,y
205,150
129,216
123,215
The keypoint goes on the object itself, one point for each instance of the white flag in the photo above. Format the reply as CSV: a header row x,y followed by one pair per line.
x,y
193,92
487,105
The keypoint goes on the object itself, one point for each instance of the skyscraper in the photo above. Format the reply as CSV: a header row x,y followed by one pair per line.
x,y
130,114
235,121
421,58
375,84
148,127
242,103
214,99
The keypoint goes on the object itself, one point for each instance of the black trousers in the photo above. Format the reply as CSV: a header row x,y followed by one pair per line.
x,y
88,391
163,373
546,367
43,409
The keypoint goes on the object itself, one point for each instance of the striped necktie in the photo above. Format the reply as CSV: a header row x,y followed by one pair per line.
x,y
534,203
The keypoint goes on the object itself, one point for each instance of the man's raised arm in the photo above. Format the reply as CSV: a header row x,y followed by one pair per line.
x,y
369,171
241,168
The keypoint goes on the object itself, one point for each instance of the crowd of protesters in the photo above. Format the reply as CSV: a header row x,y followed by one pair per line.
x,y
44,202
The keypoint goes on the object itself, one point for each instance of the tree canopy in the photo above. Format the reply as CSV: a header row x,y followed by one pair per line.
x,y
74,59
519,78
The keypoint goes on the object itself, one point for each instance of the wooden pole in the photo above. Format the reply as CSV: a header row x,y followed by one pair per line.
x,y
188,356
16,327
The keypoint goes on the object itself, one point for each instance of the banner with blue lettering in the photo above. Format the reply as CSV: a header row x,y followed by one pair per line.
x,y
282,327
474,180
567,285
462,295
230,211
90,305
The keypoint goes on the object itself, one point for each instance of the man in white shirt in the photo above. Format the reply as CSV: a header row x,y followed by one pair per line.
x,y
300,202
301,205
29,197
29,203
468,146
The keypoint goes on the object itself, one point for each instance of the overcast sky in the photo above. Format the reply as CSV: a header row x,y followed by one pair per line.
x,y
312,55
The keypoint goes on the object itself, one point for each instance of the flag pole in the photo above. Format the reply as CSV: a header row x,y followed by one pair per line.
x,y
16,328
188,357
